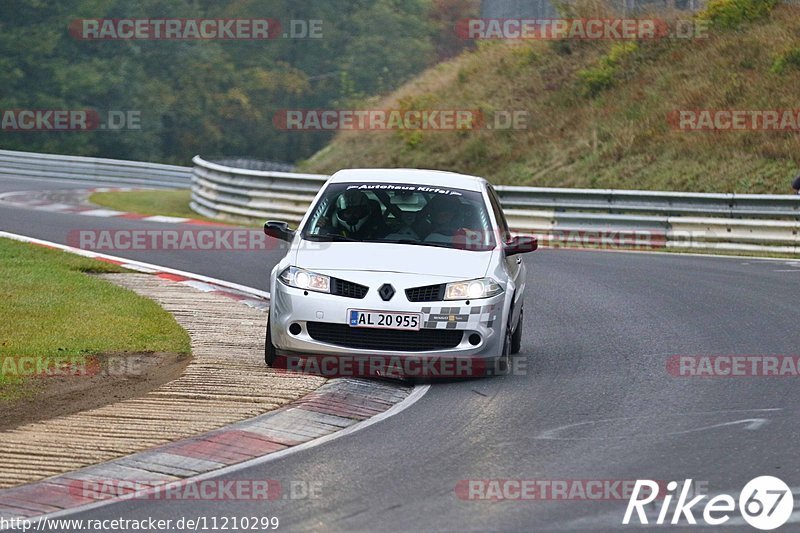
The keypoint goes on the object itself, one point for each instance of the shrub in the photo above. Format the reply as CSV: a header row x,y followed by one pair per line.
x,y
734,13
411,138
598,79
788,59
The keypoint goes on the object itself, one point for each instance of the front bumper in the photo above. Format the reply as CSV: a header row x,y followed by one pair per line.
x,y
290,306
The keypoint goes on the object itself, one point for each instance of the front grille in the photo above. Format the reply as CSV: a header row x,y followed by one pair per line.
x,y
384,339
430,293
348,289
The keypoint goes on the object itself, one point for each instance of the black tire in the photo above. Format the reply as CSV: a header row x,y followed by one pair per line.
x,y
516,338
503,362
270,355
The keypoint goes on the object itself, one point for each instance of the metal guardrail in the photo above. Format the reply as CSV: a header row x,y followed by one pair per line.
x,y
91,169
561,217
652,202
249,163
234,194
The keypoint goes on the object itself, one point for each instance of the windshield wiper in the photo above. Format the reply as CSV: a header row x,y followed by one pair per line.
x,y
474,248
329,237
410,241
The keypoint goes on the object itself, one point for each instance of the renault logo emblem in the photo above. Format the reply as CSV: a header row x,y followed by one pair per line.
x,y
386,292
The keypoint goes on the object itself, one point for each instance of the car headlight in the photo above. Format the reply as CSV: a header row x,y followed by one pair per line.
x,y
472,289
306,280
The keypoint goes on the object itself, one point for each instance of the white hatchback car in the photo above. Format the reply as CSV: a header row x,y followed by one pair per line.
x,y
400,263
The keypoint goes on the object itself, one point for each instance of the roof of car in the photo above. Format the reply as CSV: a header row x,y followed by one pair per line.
x,y
434,178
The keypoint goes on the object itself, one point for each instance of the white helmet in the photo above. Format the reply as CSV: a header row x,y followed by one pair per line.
x,y
353,210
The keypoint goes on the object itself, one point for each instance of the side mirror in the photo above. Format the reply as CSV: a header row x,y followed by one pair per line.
x,y
278,230
521,244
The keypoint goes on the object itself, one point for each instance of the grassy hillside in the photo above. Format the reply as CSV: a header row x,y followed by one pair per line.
x,y
597,110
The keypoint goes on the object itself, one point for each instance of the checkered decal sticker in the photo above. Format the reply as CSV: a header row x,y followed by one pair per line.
x,y
468,317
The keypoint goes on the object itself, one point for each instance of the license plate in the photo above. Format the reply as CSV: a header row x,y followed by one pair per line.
x,y
383,319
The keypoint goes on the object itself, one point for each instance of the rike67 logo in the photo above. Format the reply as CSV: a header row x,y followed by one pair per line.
x,y
765,503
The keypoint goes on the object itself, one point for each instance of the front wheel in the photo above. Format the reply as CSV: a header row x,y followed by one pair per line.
x,y
269,349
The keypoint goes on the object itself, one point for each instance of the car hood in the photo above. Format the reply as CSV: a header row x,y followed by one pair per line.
x,y
387,257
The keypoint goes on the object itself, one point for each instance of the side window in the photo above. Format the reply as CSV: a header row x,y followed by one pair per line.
x,y
499,215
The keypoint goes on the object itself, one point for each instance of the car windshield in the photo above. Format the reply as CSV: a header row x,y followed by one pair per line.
x,y
401,213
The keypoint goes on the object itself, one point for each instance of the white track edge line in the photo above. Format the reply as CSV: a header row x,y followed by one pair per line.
x,y
416,394
85,253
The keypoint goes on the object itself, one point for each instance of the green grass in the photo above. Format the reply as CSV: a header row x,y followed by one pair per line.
x,y
150,202
52,308
597,110
156,202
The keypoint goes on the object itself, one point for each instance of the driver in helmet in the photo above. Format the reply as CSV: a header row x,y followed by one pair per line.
x,y
358,217
445,215
450,222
